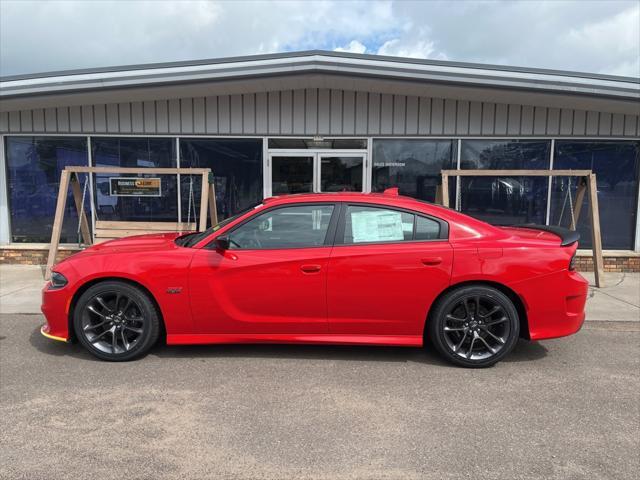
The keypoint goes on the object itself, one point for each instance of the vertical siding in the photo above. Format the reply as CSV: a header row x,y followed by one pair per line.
x,y
311,111
199,115
274,117
26,121
437,116
38,120
299,104
149,117
211,114
324,111
249,113
450,110
386,114
362,112
236,114
319,111
262,117
75,119
335,115
488,122
413,106
224,114
579,122
286,112
424,116
348,113
374,113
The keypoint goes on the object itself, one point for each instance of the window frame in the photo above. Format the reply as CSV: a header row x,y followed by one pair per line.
x,y
328,239
342,224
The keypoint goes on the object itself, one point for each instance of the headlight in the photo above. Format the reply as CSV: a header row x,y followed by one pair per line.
x,y
58,280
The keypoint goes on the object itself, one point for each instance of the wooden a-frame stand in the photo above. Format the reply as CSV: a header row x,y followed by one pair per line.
x,y
586,185
69,177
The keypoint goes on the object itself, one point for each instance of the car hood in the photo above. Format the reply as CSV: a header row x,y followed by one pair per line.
x,y
153,242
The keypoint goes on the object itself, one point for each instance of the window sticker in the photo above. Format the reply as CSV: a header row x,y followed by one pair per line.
x,y
383,226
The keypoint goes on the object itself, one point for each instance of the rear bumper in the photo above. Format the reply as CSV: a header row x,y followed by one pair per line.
x,y
555,304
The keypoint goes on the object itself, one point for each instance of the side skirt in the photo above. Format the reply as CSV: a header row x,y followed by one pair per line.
x,y
327,339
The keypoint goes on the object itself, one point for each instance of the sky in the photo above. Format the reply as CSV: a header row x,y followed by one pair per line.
x,y
589,35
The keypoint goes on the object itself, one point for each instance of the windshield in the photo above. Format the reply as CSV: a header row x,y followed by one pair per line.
x,y
190,239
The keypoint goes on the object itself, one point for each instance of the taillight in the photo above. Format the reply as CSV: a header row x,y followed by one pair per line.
x,y
572,262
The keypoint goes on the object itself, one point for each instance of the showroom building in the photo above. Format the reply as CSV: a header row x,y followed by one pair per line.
x,y
319,121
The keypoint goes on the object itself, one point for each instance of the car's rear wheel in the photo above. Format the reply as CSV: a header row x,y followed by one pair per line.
x,y
116,321
474,326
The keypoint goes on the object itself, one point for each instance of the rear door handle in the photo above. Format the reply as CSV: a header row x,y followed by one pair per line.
x,y
310,268
431,261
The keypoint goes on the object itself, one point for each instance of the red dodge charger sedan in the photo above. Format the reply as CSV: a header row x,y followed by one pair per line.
x,y
343,268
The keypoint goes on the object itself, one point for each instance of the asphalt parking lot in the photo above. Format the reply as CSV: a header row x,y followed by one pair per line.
x,y
561,409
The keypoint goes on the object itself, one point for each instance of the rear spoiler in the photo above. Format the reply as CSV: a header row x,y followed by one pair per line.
x,y
568,237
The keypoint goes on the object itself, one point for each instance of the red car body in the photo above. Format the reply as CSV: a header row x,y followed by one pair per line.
x,y
340,294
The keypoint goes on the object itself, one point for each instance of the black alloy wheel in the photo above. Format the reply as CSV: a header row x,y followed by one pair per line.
x,y
474,326
116,321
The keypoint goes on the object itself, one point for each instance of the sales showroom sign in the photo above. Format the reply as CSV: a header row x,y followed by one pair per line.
x,y
134,187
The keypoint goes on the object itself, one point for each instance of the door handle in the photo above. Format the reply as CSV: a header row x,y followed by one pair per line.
x,y
431,261
310,268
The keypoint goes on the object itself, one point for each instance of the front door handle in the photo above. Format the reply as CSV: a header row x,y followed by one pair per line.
x,y
431,261
310,268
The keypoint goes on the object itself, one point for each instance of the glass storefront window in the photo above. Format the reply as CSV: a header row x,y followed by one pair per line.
x,y
237,170
505,200
135,152
413,166
616,166
33,170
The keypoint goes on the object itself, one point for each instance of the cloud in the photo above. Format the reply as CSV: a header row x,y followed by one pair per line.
x,y
594,36
418,48
354,46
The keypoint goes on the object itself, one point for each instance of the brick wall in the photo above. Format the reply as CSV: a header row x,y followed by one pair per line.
x,y
39,257
25,256
611,264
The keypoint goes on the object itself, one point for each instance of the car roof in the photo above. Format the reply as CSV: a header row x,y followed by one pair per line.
x,y
385,198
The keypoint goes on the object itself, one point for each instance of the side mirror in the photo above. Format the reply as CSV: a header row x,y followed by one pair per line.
x,y
222,243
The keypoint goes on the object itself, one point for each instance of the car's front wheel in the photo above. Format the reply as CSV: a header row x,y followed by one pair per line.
x,y
474,326
116,321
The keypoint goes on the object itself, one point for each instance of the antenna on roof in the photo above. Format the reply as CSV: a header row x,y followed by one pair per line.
x,y
392,192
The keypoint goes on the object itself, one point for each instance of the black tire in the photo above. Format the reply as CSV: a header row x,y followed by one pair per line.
x,y
116,321
454,326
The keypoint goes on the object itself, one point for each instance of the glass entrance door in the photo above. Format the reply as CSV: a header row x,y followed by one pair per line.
x,y
307,172
341,173
292,174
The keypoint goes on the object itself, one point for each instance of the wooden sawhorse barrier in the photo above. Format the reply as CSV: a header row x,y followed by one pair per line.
x,y
587,185
69,177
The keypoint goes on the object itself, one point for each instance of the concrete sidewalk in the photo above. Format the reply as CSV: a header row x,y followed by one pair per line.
x,y
619,300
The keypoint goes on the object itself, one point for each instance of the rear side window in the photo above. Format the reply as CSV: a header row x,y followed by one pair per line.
x,y
426,229
365,224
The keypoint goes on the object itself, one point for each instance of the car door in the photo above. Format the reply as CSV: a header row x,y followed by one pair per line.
x,y
271,279
385,270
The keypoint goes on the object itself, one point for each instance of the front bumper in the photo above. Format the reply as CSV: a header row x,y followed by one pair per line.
x,y
44,330
55,308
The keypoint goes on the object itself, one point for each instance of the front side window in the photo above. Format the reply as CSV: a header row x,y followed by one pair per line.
x,y
375,225
300,226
